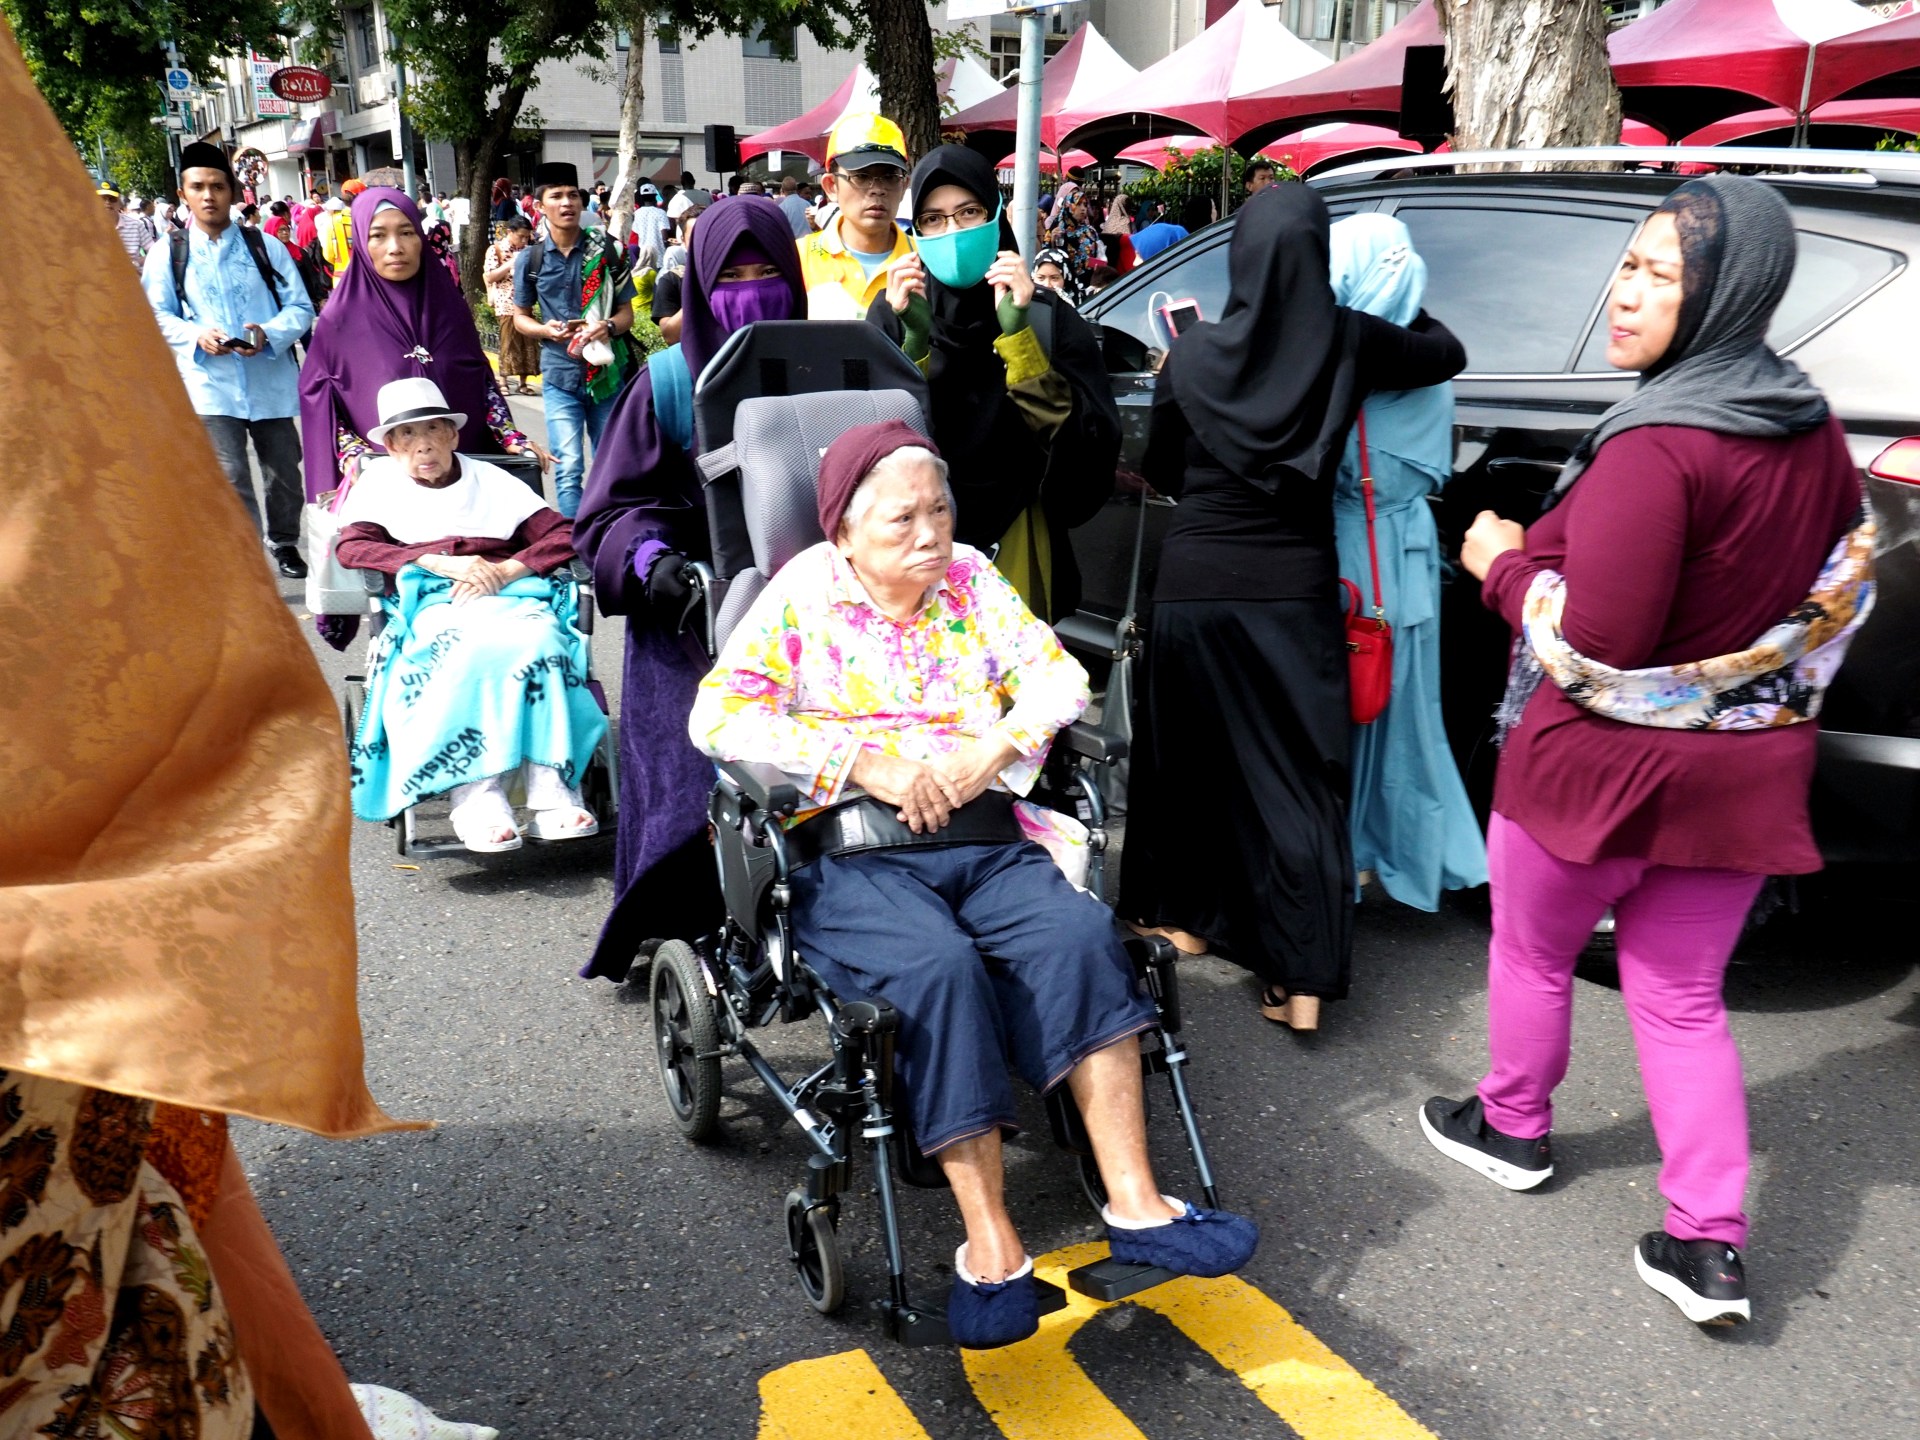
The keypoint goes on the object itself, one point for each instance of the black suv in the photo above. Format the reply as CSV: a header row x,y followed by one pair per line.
x,y
1518,267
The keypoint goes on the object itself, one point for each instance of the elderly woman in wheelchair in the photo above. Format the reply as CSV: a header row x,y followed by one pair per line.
x,y
480,669
901,684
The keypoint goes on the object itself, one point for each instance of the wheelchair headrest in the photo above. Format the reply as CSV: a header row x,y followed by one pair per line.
x,y
777,444
797,357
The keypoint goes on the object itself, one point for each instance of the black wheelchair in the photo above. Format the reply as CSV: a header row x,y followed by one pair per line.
x,y
766,407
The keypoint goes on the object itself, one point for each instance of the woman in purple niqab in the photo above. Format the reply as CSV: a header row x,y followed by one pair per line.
x,y
373,330
641,515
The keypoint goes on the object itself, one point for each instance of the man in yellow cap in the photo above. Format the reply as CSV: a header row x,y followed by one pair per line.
x,y
844,264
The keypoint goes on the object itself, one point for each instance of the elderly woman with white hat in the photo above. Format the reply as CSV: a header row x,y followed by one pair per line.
x,y
480,669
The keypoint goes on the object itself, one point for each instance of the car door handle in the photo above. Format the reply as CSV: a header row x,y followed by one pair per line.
x,y
1524,462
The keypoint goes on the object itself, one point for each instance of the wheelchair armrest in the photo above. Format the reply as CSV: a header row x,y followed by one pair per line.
x,y
1090,742
375,581
767,786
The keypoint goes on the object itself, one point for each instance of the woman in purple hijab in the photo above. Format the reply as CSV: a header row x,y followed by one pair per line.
x,y
396,313
641,517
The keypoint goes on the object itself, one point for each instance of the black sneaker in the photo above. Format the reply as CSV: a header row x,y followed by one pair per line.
x,y
1459,1130
1703,1277
289,562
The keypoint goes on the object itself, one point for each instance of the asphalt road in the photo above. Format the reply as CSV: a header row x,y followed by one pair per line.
x,y
555,1261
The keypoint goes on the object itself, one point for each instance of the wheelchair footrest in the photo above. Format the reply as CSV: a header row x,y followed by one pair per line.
x,y
916,1324
1111,1279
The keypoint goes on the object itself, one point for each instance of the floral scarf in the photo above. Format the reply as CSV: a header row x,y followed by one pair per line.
x,y
1780,679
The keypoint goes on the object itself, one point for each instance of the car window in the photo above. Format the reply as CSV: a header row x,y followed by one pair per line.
x,y
1195,269
1518,287
1828,276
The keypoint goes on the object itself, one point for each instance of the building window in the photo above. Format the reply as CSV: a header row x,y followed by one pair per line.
x,y
622,40
669,38
775,42
366,39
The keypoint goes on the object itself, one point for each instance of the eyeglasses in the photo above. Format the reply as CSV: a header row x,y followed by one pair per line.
x,y
874,179
938,222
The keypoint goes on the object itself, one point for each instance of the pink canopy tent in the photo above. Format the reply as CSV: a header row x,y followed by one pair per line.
x,y
1869,119
1308,150
1083,69
1196,87
1882,61
1365,87
966,80
1692,62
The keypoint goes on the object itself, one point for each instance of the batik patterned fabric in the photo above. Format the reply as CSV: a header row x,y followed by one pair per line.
x,y
114,1328
460,692
1780,679
816,672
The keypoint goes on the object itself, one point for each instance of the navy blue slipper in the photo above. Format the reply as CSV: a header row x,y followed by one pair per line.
x,y
1201,1242
984,1315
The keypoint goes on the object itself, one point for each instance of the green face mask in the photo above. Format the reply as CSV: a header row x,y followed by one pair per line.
x,y
961,258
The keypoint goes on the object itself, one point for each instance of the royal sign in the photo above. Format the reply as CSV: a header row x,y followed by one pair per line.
x,y
298,82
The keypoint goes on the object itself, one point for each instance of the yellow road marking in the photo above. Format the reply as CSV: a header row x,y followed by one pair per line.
x,y
834,1398
1036,1390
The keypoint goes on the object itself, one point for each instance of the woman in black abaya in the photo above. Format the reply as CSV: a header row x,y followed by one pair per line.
x,y
1237,830
1022,411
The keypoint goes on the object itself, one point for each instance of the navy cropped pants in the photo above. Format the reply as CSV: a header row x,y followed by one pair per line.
x,y
991,958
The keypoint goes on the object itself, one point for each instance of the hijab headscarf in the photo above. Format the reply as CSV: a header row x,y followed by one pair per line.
x,y
373,331
176,921
1375,269
739,220
1737,250
1269,387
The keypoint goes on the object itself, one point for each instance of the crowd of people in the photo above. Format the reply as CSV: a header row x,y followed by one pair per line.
x,y
1654,763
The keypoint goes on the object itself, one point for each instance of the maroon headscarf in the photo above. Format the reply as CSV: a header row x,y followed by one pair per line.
x,y
374,330
849,459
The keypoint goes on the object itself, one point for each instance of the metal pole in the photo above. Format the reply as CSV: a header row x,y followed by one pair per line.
x,y
405,126
1339,27
1026,145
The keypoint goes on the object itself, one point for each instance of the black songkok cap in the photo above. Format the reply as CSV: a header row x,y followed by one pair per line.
x,y
202,156
555,172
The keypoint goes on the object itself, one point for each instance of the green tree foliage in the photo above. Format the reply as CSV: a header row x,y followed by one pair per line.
x,y
1197,175
99,63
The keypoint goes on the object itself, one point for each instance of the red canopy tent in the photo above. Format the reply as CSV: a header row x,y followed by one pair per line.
x,y
1082,70
1306,151
1882,61
1196,87
1842,124
1365,87
966,79
1692,62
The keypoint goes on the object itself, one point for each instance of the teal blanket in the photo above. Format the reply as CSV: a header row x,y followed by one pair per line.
x,y
460,692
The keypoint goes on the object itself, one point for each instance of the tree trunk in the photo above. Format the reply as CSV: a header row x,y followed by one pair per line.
x,y
476,159
1526,74
900,54
636,18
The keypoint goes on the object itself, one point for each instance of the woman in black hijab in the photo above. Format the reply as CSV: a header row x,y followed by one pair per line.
x,y
1022,411
1237,830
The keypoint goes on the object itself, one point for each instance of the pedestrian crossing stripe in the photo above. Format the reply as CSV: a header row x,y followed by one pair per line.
x,y
1036,1390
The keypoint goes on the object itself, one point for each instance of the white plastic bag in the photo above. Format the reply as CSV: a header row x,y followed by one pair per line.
x,y
332,589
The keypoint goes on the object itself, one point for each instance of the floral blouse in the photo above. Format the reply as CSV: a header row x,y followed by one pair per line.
x,y
816,672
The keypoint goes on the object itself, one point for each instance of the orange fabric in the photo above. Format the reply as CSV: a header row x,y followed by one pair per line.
x,y
189,1148
298,1382
175,917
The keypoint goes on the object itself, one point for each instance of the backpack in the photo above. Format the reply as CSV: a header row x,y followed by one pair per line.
x,y
256,244
313,274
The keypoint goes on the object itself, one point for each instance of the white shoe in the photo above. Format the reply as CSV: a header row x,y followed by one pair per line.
x,y
483,817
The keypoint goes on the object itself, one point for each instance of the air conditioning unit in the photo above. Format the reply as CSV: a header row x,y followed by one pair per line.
x,y
375,89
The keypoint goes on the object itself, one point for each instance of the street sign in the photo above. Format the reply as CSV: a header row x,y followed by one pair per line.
x,y
300,82
179,81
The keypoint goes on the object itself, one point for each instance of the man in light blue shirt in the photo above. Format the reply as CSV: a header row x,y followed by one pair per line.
x,y
233,333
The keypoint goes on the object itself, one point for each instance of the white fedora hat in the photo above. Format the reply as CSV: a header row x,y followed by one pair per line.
x,y
404,401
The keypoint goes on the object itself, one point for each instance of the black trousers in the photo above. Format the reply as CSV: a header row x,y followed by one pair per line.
x,y
277,443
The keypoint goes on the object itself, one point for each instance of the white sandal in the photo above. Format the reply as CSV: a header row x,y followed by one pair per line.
x,y
481,811
568,822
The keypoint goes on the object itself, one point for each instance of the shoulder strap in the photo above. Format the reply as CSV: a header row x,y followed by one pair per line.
x,y
1366,491
673,395
536,254
177,248
256,244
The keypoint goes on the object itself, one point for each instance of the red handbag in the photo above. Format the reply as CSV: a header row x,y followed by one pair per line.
x,y
1369,637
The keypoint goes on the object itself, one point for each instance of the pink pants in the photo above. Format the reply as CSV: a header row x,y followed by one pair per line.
x,y
1675,930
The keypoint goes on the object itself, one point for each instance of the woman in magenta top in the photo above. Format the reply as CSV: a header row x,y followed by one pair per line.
x,y
1714,501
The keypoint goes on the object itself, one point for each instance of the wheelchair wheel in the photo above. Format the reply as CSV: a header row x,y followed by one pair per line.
x,y
1091,1185
813,1244
686,1040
